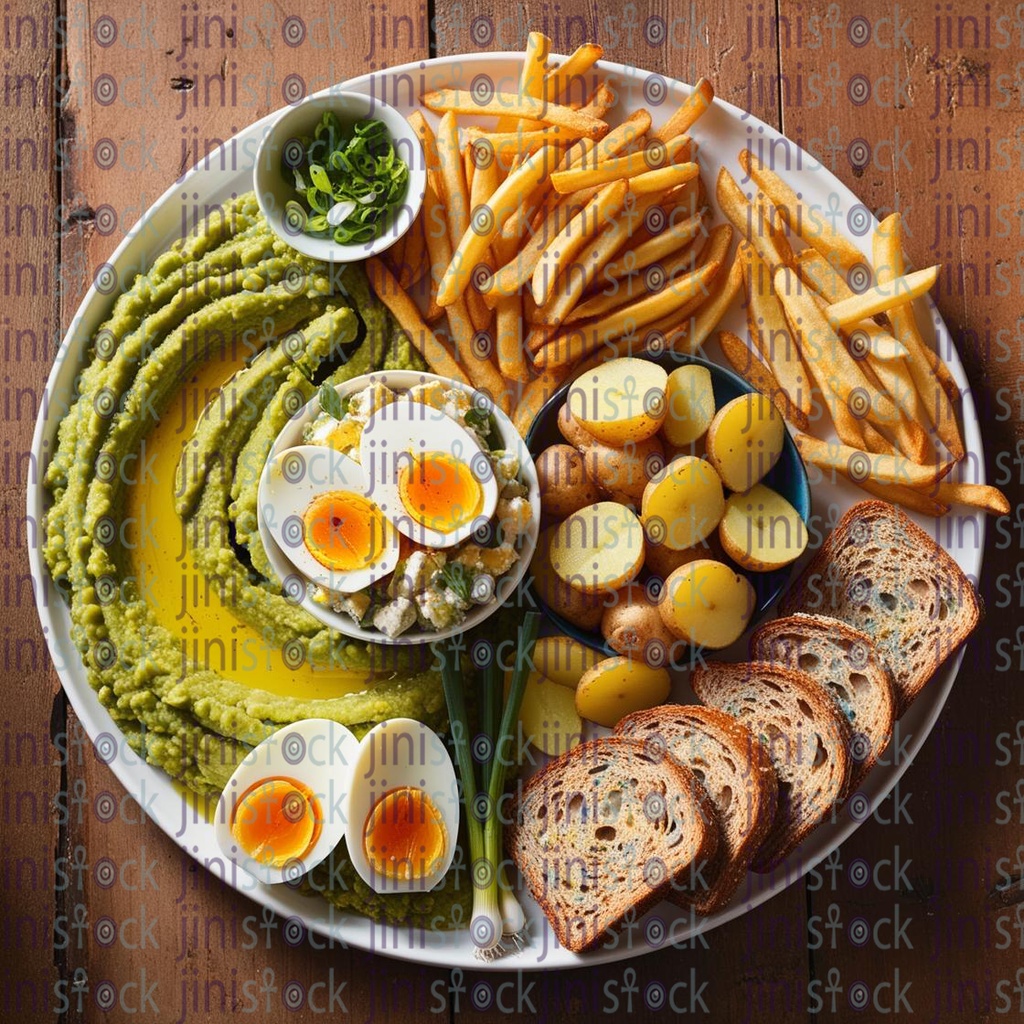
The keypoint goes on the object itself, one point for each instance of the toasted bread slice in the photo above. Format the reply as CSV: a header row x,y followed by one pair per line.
x,y
734,767
882,574
845,662
608,827
806,735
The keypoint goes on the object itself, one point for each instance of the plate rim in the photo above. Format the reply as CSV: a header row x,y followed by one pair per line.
x,y
355,930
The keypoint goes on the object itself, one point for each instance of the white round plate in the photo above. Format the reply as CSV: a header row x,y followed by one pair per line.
x,y
723,132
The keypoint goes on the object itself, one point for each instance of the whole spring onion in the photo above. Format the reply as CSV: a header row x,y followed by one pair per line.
x,y
348,184
495,908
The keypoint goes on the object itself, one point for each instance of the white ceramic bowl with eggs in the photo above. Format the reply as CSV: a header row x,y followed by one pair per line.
x,y
285,570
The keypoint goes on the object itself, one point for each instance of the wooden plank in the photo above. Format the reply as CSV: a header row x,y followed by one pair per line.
x,y
199,77
30,826
903,136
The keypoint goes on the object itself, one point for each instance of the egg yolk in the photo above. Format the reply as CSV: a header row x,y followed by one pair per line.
x,y
404,837
277,820
344,530
439,491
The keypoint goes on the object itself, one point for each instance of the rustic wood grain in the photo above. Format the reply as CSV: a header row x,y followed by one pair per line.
x,y
33,702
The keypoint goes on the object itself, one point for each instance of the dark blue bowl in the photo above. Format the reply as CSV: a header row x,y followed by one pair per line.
x,y
788,477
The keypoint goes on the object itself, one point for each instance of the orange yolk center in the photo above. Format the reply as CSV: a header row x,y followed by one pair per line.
x,y
405,836
277,820
344,531
439,491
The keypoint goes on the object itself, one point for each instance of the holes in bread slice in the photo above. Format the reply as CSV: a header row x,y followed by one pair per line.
x,y
808,661
887,601
808,713
604,834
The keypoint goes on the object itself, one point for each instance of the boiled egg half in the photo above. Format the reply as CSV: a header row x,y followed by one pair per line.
x,y
314,501
428,474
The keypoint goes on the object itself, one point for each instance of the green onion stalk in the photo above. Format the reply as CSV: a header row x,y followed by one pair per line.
x,y
496,911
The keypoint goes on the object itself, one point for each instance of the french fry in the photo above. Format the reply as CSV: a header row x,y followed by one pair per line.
x,y
614,295
755,219
602,100
690,335
509,343
590,152
861,465
849,429
583,272
575,66
688,112
531,78
560,251
661,179
769,332
427,139
535,395
895,292
833,368
414,257
439,357
501,104
908,497
632,165
875,442
802,220
580,342
931,375
506,146
991,499
760,376
455,191
487,222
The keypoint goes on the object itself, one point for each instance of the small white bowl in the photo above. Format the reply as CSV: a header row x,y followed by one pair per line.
x,y
295,584
274,186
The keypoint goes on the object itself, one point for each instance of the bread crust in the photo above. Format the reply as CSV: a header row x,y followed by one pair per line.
x,y
540,849
823,589
800,810
755,782
871,712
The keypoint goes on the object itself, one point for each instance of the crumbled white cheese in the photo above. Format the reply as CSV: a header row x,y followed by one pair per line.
x,y
440,609
419,568
495,561
395,617
514,515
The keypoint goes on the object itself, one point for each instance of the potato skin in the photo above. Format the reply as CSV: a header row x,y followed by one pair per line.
x,y
565,487
622,472
583,610
633,625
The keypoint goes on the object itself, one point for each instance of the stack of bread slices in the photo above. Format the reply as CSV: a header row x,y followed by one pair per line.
x,y
682,800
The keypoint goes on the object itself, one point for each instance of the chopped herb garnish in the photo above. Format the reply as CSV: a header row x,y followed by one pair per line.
x,y
347,182
330,401
459,579
484,424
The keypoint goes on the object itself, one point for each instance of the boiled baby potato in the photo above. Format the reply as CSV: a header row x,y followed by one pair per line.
x,y
745,440
549,717
707,603
683,504
599,548
565,486
632,625
690,401
621,400
583,610
622,472
762,531
661,560
616,687
563,660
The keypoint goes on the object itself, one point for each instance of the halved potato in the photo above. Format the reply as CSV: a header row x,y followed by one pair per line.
x,y
762,531
621,400
690,402
745,440
601,547
632,625
549,717
583,610
683,504
616,687
563,660
707,603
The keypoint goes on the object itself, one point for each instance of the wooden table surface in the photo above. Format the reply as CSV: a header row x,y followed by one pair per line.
x,y
916,106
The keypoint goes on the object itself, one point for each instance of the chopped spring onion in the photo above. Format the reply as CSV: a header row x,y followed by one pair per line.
x,y
348,182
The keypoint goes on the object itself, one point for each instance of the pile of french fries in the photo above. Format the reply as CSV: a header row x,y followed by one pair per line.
x,y
554,241
817,347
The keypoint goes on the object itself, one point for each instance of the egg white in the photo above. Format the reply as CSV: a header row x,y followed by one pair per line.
x,y
290,481
405,428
